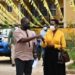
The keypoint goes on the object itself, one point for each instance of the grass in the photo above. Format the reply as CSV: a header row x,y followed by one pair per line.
x,y
71,53
71,66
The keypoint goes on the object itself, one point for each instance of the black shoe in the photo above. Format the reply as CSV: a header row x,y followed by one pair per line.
x,y
13,65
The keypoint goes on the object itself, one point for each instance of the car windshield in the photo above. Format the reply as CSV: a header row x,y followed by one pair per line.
x,y
4,34
5,31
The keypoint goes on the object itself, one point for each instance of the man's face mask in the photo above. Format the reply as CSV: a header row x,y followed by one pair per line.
x,y
52,28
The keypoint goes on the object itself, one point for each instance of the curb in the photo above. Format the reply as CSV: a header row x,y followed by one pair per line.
x,y
70,62
70,71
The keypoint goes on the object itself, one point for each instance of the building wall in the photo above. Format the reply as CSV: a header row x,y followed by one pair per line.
x,y
70,12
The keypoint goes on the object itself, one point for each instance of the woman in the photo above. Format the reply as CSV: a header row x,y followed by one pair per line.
x,y
53,42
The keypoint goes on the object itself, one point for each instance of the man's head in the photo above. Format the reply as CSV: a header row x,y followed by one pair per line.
x,y
25,24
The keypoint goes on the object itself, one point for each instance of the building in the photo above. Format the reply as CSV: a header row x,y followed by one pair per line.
x,y
37,11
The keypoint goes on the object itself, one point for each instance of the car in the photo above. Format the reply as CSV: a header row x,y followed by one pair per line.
x,y
5,49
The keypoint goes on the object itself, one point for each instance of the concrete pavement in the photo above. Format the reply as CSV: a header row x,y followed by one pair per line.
x,y
7,69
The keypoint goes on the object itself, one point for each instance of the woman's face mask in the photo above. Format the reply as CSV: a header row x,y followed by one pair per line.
x,y
52,28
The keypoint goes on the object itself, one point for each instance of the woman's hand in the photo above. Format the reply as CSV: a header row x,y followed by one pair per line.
x,y
51,44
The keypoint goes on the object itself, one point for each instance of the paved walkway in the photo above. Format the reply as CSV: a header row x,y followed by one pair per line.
x,y
38,70
7,69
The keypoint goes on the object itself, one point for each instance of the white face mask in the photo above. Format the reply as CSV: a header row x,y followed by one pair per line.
x,y
16,27
45,28
52,28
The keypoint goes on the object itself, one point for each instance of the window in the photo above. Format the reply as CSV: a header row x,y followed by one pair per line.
x,y
53,9
62,10
74,2
34,12
9,8
42,9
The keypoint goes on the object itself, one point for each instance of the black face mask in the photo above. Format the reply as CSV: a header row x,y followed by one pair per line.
x,y
25,26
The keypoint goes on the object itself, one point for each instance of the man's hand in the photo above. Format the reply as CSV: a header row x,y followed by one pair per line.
x,y
35,55
38,36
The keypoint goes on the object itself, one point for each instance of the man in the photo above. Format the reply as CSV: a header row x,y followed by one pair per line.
x,y
23,38
11,43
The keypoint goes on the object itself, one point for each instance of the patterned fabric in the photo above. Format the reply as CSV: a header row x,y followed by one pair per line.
x,y
22,50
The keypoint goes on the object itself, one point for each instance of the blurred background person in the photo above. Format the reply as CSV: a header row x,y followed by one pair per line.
x,y
43,33
17,26
11,43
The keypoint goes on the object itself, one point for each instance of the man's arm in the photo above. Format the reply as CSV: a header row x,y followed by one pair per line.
x,y
23,40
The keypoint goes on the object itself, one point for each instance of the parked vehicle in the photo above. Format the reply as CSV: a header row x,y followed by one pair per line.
x,y
4,47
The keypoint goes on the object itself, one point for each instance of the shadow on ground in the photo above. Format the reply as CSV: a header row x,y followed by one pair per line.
x,y
5,62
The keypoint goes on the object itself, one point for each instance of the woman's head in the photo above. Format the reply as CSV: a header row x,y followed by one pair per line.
x,y
54,24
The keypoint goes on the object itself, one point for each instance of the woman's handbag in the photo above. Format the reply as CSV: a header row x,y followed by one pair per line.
x,y
63,57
